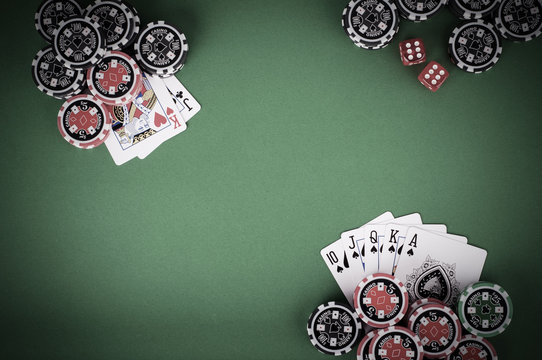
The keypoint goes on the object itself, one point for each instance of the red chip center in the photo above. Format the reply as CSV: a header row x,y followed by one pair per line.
x,y
81,119
380,299
472,353
394,349
437,331
113,77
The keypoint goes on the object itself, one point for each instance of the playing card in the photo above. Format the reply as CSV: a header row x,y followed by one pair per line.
x,y
185,102
394,237
342,260
353,242
337,262
374,236
141,124
436,266
404,231
179,121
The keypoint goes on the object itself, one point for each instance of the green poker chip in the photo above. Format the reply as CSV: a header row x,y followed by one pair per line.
x,y
485,309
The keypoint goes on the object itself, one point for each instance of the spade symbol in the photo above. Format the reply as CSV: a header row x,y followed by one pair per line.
x,y
381,247
339,269
391,249
335,327
345,261
355,255
400,250
410,252
374,249
363,251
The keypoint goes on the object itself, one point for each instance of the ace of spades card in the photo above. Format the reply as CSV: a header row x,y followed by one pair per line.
x,y
139,126
433,265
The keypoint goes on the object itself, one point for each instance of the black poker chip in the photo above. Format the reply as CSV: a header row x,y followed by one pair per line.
x,y
334,328
52,78
475,46
519,20
419,10
161,49
118,21
51,12
472,9
370,24
79,43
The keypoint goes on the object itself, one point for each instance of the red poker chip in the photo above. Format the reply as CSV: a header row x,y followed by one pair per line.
x,y
381,300
438,328
364,346
472,347
116,79
84,121
416,304
396,343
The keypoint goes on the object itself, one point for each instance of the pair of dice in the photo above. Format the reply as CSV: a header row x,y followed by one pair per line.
x,y
413,52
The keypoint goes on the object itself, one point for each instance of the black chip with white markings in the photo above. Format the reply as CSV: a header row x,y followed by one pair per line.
x,y
475,46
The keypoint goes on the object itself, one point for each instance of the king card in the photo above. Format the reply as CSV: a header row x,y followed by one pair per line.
x,y
141,124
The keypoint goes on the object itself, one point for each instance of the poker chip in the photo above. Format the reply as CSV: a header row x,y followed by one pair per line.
x,y
420,302
51,12
438,328
118,21
116,79
161,49
364,346
485,309
472,9
395,343
54,79
519,20
370,24
381,300
419,10
474,46
78,43
473,347
333,328
84,122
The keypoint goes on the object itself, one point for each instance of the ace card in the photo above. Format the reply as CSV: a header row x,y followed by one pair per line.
x,y
433,265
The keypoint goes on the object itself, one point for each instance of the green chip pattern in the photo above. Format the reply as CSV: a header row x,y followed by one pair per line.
x,y
490,307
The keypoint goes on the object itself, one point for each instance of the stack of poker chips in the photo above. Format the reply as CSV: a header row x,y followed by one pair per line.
x,y
87,62
386,325
474,46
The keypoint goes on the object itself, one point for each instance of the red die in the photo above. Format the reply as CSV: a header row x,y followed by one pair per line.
x,y
412,51
433,76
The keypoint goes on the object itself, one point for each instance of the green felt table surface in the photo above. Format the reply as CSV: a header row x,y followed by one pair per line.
x,y
209,248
